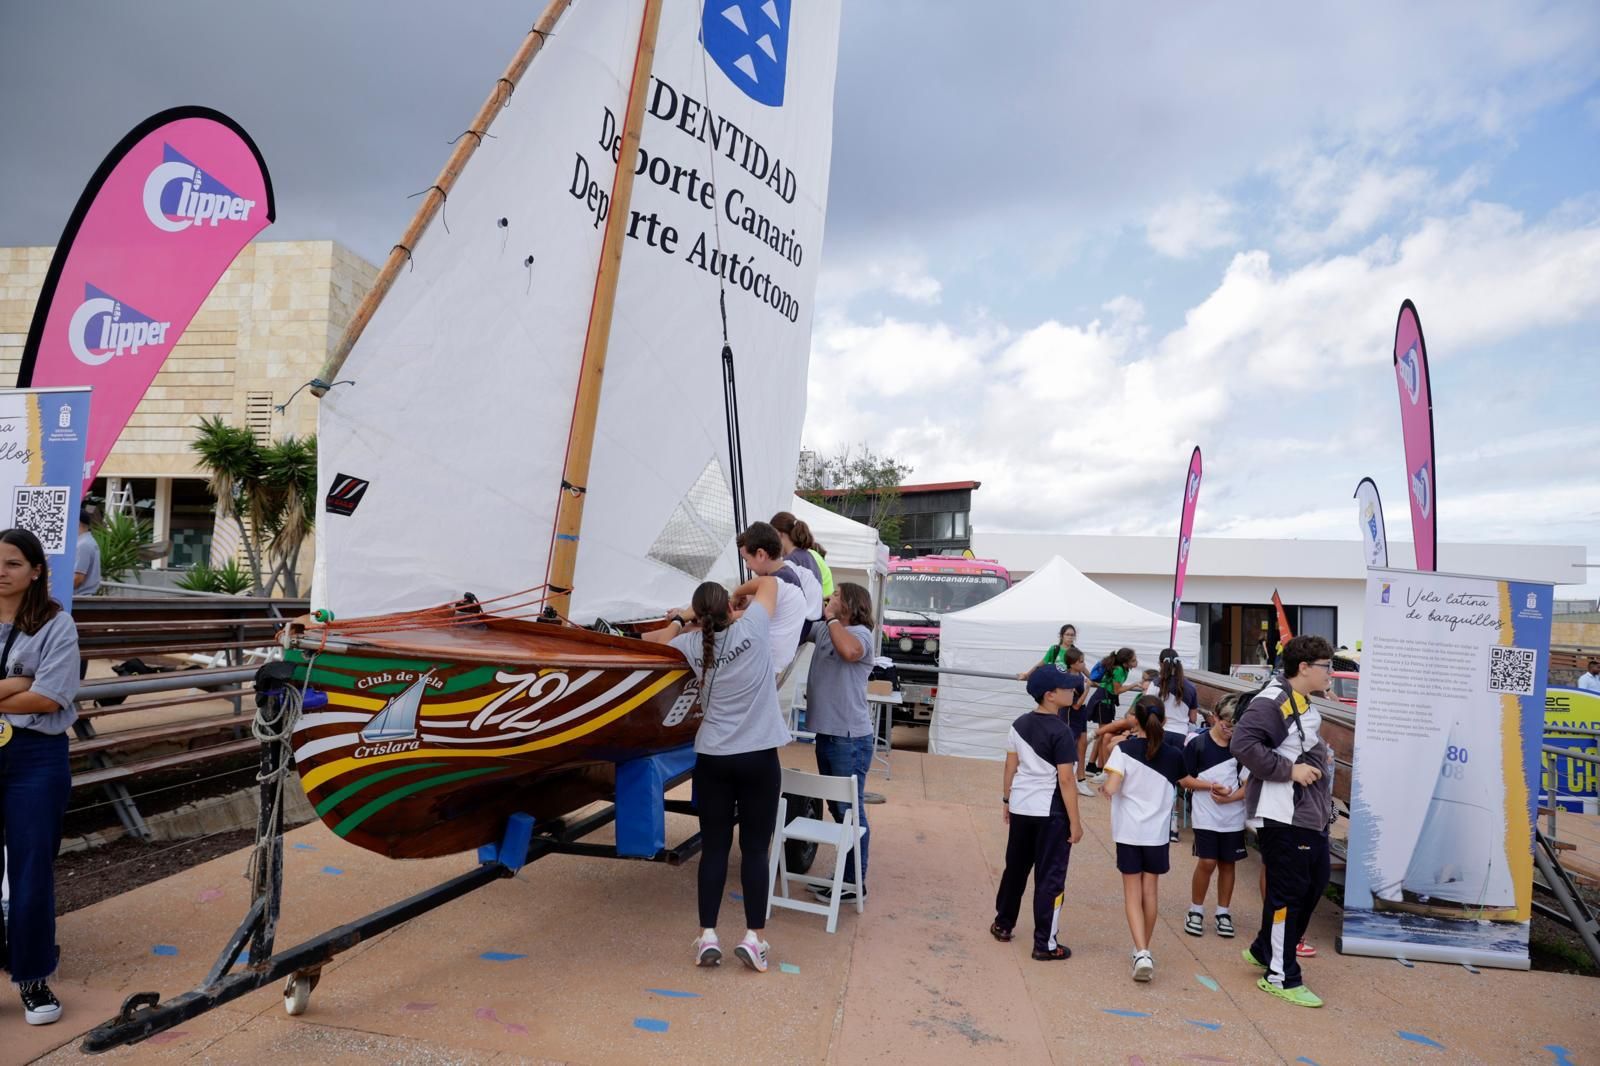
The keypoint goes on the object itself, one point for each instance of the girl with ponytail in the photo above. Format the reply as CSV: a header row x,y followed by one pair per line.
x,y
736,773
1141,779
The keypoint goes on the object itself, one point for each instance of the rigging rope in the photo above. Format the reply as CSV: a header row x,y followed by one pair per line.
x,y
730,391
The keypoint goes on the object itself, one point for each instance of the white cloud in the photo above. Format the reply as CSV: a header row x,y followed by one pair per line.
x,y
905,276
1085,427
1190,225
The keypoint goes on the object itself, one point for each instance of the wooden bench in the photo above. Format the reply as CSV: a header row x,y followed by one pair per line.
x,y
119,758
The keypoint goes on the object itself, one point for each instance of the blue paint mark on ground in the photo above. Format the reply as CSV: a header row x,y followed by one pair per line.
x,y
1308,1062
788,967
334,870
500,956
1560,1054
163,949
304,847
650,1025
1126,1013
1418,1038
736,897
1208,982
672,993
1213,1026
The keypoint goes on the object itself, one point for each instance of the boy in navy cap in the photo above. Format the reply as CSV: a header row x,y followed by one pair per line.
x,y
1039,801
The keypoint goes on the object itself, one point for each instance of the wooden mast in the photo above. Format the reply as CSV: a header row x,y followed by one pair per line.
x,y
436,195
586,407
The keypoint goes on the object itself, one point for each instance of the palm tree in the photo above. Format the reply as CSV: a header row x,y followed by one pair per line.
x,y
289,481
232,460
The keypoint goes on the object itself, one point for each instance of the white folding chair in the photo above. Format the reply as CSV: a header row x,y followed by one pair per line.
x,y
844,836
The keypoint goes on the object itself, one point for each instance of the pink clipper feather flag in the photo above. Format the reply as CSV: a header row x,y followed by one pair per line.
x,y
1416,426
1191,496
158,223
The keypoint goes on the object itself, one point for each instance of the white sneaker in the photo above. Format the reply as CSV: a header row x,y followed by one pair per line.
x,y
1084,788
707,951
753,953
1097,778
1144,966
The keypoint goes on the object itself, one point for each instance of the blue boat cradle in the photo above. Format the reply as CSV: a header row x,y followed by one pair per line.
x,y
641,789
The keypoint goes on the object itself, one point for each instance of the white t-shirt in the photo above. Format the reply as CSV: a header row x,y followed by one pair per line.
x,y
1176,710
1212,763
1141,809
810,586
787,622
1589,682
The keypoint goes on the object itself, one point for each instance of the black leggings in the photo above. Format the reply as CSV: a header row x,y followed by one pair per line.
x,y
743,787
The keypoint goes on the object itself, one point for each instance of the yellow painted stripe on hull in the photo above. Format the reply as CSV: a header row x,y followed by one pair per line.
x,y
430,710
326,773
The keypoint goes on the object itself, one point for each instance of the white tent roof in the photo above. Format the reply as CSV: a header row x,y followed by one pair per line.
x,y
1009,633
851,545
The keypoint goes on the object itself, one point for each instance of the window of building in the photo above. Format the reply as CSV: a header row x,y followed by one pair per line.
x,y
1320,622
193,511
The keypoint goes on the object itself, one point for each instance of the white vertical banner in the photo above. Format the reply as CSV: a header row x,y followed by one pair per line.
x,y
1446,764
1369,513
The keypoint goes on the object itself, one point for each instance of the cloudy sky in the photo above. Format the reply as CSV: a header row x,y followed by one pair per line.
x,y
1066,242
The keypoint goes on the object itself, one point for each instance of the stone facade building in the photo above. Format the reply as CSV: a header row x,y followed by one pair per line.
x,y
264,331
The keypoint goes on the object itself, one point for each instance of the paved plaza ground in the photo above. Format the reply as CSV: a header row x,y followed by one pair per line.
x,y
587,960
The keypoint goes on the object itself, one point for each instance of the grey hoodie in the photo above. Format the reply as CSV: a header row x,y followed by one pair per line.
x,y
1266,742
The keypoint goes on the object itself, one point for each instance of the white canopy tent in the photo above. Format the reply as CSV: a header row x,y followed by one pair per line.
x,y
1008,634
854,551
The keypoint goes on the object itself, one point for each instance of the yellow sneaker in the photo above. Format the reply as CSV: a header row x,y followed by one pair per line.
x,y
1300,997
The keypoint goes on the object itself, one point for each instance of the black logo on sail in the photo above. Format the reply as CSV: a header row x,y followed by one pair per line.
x,y
346,494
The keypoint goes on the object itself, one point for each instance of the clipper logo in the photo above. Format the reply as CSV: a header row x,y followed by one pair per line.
x,y
1422,489
1410,373
1183,551
1194,488
1385,596
103,327
749,40
345,495
1372,523
178,194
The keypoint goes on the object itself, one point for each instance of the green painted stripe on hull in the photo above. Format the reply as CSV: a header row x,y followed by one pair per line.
x,y
345,827
328,675
371,779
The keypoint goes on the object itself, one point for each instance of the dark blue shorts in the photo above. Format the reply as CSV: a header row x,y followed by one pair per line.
x,y
1143,859
1218,845
1079,722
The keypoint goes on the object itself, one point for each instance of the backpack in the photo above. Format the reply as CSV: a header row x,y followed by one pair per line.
x,y
1098,673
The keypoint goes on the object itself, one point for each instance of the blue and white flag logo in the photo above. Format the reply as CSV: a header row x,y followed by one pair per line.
x,y
749,39
1410,375
1422,489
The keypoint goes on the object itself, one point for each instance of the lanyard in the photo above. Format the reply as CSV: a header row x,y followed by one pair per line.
x,y
7,730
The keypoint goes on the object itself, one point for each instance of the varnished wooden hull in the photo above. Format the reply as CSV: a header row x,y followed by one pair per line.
x,y
513,717
1445,909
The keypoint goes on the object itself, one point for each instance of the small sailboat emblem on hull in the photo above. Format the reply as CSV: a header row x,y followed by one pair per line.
x,y
398,719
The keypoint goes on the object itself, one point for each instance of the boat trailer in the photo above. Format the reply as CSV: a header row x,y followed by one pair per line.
x,y
639,811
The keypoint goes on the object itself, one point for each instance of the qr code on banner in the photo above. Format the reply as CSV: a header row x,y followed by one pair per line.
x,y
1511,670
42,511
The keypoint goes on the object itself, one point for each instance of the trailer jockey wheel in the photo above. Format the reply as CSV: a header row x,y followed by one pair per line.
x,y
297,991
798,855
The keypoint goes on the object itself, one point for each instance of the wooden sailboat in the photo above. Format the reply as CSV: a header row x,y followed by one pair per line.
x,y
466,444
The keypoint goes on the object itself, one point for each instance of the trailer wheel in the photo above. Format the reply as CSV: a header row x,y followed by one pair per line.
x,y
297,993
798,855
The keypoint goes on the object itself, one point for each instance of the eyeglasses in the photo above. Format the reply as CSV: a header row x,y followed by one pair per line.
x,y
1323,666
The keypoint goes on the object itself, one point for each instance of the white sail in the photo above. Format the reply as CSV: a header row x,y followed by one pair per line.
x,y
1460,855
464,380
